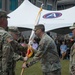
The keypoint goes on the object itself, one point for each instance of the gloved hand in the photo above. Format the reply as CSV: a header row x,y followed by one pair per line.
x,y
25,58
25,65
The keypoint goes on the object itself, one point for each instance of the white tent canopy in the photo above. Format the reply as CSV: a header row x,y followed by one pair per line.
x,y
25,16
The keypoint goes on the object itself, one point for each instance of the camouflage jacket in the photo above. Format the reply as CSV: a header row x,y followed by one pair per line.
x,y
14,55
72,57
8,51
16,47
4,51
47,54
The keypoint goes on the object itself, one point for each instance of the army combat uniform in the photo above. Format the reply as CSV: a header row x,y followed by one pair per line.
x,y
72,60
16,49
48,56
7,53
7,46
4,51
14,56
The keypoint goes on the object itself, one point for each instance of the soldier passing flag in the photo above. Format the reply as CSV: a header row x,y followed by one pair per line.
x,y
29,50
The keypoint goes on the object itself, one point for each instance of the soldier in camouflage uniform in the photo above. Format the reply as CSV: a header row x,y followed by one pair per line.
x,y
46,53
18,48
7,46
72,53
4,44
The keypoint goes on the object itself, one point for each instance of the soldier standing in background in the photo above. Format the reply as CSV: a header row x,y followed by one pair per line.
x,y
46,53
72,53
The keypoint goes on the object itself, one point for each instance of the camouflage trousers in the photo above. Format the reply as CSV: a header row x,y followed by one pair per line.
x,y
11,68
7,73
3,73
11,73
56,72
72,70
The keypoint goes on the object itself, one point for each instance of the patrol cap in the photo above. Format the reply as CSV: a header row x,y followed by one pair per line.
x,y
3,14
13,29
73,27
39,26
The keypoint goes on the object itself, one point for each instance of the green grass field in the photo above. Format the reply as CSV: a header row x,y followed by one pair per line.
x,y
36,69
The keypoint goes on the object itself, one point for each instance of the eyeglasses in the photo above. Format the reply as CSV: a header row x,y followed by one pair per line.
x,y
36,30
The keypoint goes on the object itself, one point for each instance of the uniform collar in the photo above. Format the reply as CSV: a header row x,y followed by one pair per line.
x,y
43,35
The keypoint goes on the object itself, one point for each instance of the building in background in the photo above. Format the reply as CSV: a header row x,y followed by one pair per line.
x,y
54,4
64,4
48,4
11,5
